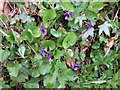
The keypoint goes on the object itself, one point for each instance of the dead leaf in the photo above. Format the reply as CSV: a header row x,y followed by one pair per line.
x,y
84,48
70,62
109,44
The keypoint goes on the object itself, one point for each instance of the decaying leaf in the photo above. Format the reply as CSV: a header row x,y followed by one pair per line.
x,y
70,62
84,48
109,44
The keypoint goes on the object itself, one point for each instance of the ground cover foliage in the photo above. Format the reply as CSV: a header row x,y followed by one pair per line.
x,y
59,45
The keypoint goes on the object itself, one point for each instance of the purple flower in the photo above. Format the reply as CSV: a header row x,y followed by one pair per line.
x,y
42,29
90,24
75,66
43,52
49,57
67,15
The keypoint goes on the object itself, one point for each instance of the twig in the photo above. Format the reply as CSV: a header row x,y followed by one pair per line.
x,y
4,24
4,33
31,47
116,15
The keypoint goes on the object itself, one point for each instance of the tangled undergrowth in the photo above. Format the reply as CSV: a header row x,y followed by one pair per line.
x,y
59,45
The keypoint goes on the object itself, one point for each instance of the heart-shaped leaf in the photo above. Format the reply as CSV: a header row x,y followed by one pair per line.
x,y
55,33
48,44
13,68
69,40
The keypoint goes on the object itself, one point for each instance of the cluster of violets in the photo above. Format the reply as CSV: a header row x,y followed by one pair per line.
x,y
67,17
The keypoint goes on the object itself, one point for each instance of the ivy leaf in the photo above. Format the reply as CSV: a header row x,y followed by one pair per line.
x,y
48,44
105,27
67,5
24,17
21,51
69,40
13,68
87,33
80,19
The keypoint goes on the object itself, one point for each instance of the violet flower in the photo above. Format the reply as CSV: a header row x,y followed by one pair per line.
x,y
49,57
75,66
67,15
43,52
90,24
42,29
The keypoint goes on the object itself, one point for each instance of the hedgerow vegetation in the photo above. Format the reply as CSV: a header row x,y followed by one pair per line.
x,y
59,44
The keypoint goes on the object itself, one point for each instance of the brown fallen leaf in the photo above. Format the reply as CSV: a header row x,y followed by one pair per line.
x,y
109,44
70,62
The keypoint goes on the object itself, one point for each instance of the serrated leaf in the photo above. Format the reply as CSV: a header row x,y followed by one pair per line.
x,y
21,51
13,68
69,40
87,33
105,28
48,44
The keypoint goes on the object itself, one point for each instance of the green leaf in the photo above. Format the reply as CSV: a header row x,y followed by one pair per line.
x,y
13,68
4,18
57,54
24,17
67,5
87,33
96,45
80,19
96,6
5,55
35,31
105,27
48,13
55,33
48,44
21,51
59,42
31,85
11,37
44,68
69,40
91,15
26,35
35,72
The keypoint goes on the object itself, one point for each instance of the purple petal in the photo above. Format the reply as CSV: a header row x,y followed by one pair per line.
x,y
44,32
72,14
43,28
75,66
67,17
43,52
67,13
49,57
